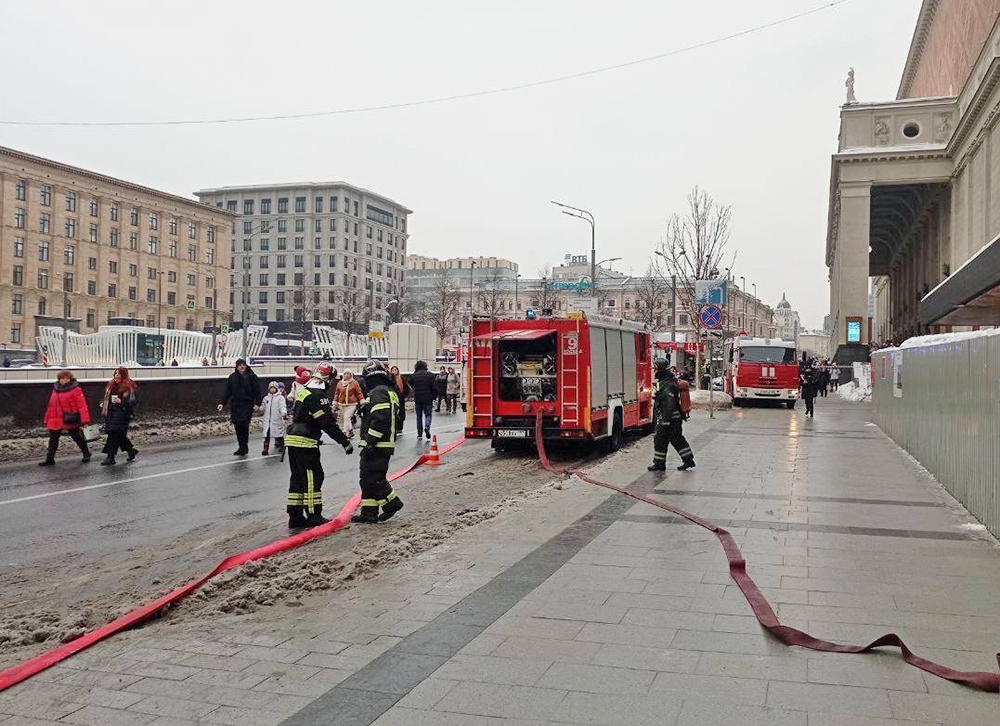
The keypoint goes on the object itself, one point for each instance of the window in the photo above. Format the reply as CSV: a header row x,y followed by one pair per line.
x,y
43,279
247,206
91,287
210,235
332,260
262,297
300,225
70,201
281,278
263,279
332,279
15,332
318,243
333,243
172,248
282,243
192,253
171,323
69,255
71,228
18,276
17,303
368,249
355,209
333,225
133,240
281,260
192,279
300,243
265,244
112,290
150,295
171,297
133,217
279,315
316,279
299,261
43,250
282,226
355,229
113,239
113,267
172,276
231,205
114,212
300,205
173,226
682,319
94,208
91,317
318,225
299,278
265,206
154,245
247,227
21,190
265,226
46,195
20,216
19,247
42,306
133,293
368,232
93,232
282,205
150,273
154,220
246,262
264,261
318,205
210,256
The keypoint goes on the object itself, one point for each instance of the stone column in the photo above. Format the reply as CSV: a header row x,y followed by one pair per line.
x,y
852,260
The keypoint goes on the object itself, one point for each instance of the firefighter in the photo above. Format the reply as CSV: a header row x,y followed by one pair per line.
x,y
669,420
310,418
379,413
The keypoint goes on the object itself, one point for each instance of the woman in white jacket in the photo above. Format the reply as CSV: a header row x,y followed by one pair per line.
x,y
274,409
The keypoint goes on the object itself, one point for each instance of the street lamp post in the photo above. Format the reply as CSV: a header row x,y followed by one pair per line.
x,y
472,292
586,217
673,304
516,308
159,312
743,291
65,336
754,309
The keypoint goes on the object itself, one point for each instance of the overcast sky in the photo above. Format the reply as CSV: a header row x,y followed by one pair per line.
x,y
753,120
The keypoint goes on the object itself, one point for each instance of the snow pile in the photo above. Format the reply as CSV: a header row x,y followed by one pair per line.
x,y
720,400
851,392
942,338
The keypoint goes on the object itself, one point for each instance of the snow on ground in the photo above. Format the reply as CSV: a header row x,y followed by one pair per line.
x,y
941,338
851,392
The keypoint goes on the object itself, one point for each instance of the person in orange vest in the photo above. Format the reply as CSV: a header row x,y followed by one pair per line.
x,y
669,415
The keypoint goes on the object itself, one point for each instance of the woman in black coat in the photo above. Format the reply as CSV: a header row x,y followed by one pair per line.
x,y
243,395
118,407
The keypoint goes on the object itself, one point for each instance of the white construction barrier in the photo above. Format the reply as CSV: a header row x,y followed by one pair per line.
x,y
340,344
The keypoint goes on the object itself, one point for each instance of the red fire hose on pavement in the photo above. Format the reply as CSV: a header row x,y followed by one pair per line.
x,y
18,673
762,609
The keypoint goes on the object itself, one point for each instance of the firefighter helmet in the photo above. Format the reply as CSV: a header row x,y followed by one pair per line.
x,y
660,365
325,371
373,371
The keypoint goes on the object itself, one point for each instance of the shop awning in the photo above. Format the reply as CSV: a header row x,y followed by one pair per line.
x,y
970,296
525,334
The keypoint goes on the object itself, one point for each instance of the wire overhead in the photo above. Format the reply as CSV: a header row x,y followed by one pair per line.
x,y
441,99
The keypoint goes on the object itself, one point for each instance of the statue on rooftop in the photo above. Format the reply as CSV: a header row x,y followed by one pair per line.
x,y
851,98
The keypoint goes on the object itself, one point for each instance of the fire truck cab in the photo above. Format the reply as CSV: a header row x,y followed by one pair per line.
x,y
764,369
589,376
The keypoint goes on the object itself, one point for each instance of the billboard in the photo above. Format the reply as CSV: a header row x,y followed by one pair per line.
x,y
715,292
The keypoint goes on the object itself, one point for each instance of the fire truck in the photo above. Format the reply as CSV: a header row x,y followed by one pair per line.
x,y
589,376
764,369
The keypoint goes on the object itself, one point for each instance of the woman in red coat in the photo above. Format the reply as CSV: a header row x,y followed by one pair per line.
x,y
67,413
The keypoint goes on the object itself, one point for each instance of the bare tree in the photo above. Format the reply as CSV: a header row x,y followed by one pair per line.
x,y
492,293
694,248
650,294
545,292
440,305
402,308
351,306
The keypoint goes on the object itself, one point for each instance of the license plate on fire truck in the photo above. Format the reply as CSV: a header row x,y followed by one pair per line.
x,y
512,433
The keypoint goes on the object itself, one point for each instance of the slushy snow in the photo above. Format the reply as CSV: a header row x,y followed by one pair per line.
x,y
850,392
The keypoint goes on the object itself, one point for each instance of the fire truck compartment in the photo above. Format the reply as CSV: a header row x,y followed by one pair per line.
x,y
528,367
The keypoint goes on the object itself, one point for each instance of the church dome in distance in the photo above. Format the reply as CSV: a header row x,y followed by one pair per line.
x,y
784,304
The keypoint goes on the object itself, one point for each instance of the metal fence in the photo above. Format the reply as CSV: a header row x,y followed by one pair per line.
x,y
941,403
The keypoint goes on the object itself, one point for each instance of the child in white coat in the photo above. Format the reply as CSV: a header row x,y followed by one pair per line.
x,y
274,409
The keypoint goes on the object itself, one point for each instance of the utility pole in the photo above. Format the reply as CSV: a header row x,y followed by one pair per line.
x,y
516,278
65,337
215,306
245,333
472,293
743,292
754,309
159,314
673,317
589,218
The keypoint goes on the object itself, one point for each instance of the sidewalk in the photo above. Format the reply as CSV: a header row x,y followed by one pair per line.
x,y
585,607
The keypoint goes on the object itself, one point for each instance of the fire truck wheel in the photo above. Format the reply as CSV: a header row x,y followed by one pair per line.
x,y
790,404
615,440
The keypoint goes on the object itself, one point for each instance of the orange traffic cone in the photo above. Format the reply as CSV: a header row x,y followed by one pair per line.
x,y
433,459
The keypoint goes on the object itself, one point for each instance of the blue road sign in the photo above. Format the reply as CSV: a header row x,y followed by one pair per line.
x,y
711,316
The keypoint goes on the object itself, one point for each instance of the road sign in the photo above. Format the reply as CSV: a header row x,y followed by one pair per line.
x,y
714,292
711,334
225,328
190,304
376,329
711,316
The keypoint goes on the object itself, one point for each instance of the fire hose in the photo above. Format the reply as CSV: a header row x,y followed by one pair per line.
x,y
762,610
23,671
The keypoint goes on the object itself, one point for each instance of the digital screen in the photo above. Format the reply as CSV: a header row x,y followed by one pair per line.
x,y
853,331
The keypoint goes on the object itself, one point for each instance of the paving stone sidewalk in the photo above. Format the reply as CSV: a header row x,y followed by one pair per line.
x,y
584,607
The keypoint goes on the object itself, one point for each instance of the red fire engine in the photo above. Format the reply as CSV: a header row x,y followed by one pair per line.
x,y
589,375
764,369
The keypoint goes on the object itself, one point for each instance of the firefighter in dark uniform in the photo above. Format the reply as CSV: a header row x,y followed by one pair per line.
x,y
379,413
311,417
669,420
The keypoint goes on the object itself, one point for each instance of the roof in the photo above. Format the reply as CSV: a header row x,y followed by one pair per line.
x,y
113,181
784,304
299,185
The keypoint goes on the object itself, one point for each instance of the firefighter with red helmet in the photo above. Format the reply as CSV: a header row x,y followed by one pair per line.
x,y
311,417
669,417
380,419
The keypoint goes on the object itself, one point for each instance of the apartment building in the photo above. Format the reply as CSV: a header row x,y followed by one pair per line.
x,y
328,252
78,248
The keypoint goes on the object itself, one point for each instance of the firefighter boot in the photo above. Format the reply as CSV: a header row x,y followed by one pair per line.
x,y
265,450
657,466
367,515
296,518
390,508
316,519
687,464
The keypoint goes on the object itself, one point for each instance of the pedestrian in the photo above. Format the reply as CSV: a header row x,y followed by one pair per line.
x,y
422,383
835,378
204,362
669,419
118,407
174,363
274,409
311,418
441,389
302,376
807,382
379,421
403,389
346,397
66,414
454,388
243,396
6,361
823,378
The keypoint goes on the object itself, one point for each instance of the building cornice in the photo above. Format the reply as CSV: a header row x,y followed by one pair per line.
x,y
917,44
252,188
970,119
110,180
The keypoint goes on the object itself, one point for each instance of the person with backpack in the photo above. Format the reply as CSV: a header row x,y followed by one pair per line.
x,y
670,408
422,385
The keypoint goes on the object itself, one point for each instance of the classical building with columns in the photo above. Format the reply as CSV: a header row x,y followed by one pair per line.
x,y
915,189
